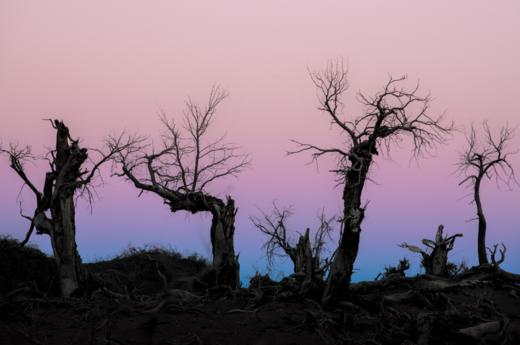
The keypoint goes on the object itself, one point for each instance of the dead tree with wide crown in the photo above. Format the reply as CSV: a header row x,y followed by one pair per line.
x,y
391,115
182,168
485,157
55,212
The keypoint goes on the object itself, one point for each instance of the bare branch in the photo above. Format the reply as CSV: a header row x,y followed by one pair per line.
x,y
18,156
493,252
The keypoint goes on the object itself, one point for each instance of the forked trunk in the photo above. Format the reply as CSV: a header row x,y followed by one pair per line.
x,y
482,225
301,256
225,262
343,262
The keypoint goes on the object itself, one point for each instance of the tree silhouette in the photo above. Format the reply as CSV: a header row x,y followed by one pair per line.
x,y
306,254
181,170
55,204
389,116
485,158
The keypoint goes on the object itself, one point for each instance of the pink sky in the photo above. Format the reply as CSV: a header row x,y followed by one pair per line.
x,y
105,66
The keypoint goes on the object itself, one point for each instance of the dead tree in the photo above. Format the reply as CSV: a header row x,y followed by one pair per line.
x,y
182,168
435,262
306,256
389,116
485,158
55,203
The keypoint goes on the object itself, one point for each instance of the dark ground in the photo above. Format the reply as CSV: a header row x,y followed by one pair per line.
x,y
128,303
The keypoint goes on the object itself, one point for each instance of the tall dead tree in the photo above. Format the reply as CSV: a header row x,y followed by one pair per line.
x,y
389,116
55,203
485,157
305,254
182,168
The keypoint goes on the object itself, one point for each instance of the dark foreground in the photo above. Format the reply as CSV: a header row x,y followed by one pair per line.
x,y
156,297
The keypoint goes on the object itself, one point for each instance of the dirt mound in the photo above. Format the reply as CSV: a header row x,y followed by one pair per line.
x,y
155,296
149,270
26,267
421,310
145,271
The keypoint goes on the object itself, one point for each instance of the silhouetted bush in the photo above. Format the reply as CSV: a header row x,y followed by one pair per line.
x,y
395,271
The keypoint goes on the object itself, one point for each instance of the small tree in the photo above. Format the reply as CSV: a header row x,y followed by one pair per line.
x,y
55,213
485,158
390,115
306,255
182,168
435,262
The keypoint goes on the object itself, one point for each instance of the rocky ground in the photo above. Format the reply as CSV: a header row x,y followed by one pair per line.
x,y
155,296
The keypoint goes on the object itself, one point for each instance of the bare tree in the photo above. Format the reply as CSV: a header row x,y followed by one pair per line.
x,y
486,157
182,168
55,204
305,254
435,262
389,116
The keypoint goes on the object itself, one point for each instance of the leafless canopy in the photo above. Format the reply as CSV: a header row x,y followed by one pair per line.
x,y
280,241
389,114
186,161
487,156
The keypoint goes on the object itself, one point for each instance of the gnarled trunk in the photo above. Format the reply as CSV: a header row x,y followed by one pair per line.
x,y
482,225
343,263
225,262
301,256
63,240
436,263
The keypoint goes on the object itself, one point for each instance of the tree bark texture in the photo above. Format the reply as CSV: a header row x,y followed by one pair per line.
x,y
225,262
353,213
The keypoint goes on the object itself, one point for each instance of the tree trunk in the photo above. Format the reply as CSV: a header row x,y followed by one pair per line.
x,y
63,240
67,167
343,263
225,262
301,256
435,263
482,225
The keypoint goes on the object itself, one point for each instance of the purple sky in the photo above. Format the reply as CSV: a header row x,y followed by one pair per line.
x,y
105,66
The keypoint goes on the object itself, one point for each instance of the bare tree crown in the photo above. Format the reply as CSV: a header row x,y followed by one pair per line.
x,y
487,156
389,114
186,160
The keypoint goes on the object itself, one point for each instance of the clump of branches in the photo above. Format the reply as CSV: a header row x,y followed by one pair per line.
x,y
435,258
305,253
486,157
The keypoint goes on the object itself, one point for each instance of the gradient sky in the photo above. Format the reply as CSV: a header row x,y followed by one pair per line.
x,y
105,66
